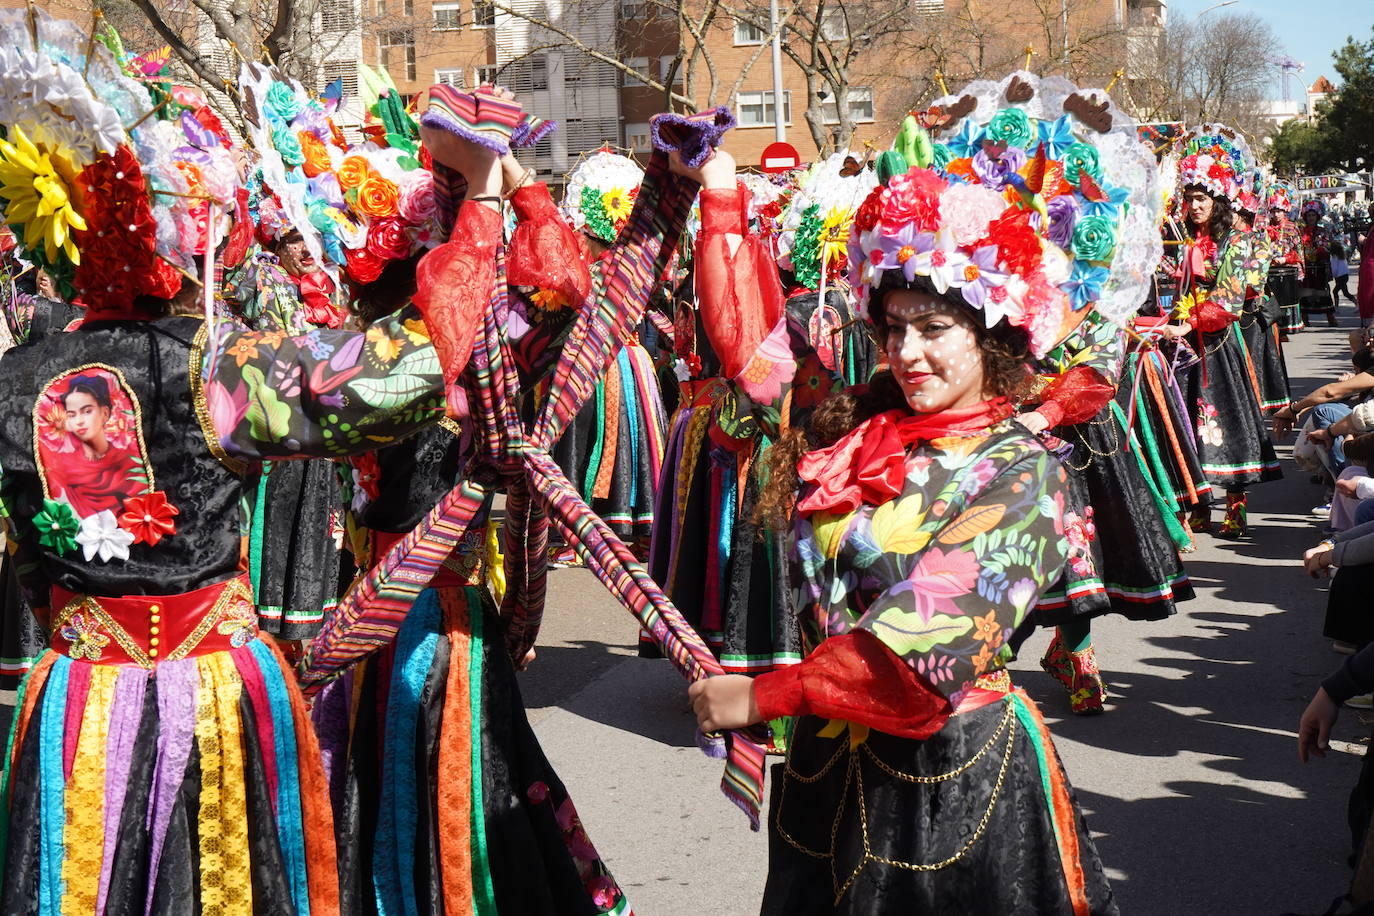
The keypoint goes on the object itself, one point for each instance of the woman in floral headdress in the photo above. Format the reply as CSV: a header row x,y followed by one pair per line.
x,y
1316,263
927,523
1215,270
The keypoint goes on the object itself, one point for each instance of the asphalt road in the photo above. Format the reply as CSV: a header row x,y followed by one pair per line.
x,y
1191,782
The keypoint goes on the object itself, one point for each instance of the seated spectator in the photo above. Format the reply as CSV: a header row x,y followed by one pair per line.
x,y
1328,407
1353,503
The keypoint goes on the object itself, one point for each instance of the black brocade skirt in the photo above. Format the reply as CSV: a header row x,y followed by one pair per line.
x,y
1262,345
21,638
851,832
1131,567
444,801
1233,439
295,558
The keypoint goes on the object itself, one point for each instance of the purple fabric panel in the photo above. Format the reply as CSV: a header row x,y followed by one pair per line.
x,y
126,711
177,686
330,718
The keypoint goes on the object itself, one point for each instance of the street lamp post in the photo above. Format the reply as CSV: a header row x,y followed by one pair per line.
x,y
779,121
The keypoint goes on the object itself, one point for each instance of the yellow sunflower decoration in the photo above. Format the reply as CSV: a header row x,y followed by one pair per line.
x,y
36,186
618,203
835,233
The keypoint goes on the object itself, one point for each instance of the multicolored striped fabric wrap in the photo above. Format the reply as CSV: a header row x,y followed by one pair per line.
x,y
480,117
372,613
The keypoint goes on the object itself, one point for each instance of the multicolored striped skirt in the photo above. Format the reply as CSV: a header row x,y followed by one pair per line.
x,y
444,801
189,785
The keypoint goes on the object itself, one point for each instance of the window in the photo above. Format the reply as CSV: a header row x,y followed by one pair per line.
x,y
487,76
833,26
860,106
336,15
398,49
483,14
639,65
381,7
755,109
746,33
346,71
528,74
637,138
448,17
407,8
634,9
665,66
450,76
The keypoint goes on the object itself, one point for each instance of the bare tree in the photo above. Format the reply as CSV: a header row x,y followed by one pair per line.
x,y
1210,69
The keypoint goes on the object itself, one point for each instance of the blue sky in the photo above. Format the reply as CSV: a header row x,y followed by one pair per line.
x,y
1309,30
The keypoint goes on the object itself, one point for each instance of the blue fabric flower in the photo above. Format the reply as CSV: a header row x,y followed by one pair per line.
x,y
967,141
1111,207
1057,136
1085,284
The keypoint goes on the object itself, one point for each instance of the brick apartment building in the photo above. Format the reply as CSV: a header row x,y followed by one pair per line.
x,y
467,42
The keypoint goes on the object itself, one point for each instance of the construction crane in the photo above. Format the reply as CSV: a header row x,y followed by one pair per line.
x,y
1287,66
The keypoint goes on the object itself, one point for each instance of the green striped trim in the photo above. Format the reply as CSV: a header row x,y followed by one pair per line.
x,y
1237,468
255,531
275,612
484,903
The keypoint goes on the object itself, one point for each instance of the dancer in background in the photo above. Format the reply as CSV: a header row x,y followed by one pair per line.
x,y
1315,290
1215,271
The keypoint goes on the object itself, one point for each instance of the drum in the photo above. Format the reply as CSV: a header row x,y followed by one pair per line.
x,y
1283,284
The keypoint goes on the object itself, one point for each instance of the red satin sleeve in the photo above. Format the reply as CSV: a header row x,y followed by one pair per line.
x,y
1075,396
855,678
738,294
1209,316
454,284
543,252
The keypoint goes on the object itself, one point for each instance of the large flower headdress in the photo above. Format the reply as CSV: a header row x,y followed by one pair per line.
x,y
1279,196
601,193
1217,158
1314,205
814,228
1035,201
298,182
112,191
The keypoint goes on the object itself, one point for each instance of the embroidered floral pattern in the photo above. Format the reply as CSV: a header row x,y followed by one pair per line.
x,y
85,638
238,622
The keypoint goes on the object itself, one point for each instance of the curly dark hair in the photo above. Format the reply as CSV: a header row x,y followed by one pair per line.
x,y
1006,373
1223,214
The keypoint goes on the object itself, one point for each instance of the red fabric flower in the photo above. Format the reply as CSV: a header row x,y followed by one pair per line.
x,y
387,238
870,210
149,517
913,198
369,473
363,265
1018,245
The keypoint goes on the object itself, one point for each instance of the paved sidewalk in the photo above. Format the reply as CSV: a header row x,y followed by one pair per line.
x,y
1191,782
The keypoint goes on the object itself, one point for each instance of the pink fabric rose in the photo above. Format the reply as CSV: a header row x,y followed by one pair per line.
x,y
416,204
968,209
